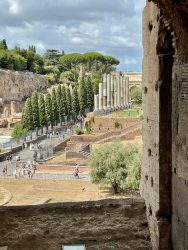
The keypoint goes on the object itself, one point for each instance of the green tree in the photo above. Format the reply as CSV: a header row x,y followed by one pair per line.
x,y
69,101
30,60
51,57
48,108
75,102
42,115
136,95
112,163
60,103
3,44
68,75
64,100
19,130
35,109
71,60
90,94
82,95
55,113
27,115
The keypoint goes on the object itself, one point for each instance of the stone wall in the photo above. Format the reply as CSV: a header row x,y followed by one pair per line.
x,y
106,123
16,86
164,174
105,224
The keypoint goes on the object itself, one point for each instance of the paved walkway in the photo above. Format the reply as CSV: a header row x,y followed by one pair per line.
x,y
27,154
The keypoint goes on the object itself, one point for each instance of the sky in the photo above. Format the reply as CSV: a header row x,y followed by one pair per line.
x,y
112,27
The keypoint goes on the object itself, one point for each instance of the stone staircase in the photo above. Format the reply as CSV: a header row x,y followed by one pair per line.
x,y
85,150
79,150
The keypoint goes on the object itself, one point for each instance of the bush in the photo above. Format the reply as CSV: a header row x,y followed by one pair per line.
x,y
19,131
117,124
92,119
116,164
79,131
88,130
136,95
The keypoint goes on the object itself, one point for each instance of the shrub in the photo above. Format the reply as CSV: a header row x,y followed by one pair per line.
x,y
92,119
19,131
79,131
117,124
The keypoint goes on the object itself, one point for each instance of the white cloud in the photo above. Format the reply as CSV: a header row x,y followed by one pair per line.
x,y
14,7
113,27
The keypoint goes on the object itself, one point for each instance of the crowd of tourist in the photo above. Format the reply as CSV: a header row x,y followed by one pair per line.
x,y
21,168
27,168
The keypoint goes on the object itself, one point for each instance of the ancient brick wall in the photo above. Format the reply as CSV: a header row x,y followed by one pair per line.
x,y
149,186
106,224
164,174
180,157
105,123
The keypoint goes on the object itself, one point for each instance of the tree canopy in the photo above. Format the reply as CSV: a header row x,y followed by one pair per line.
x,y
136,95
116,164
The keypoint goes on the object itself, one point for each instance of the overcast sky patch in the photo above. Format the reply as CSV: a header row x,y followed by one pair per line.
x,y
113,27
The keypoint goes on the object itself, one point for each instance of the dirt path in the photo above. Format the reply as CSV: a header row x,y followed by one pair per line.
x,y
27,192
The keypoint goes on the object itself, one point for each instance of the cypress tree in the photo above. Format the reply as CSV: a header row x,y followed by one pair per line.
x,y
42,116
23,119
58,98
82,96
61,110
90,94
75,102
3,44
48,109
54,108
69,101
27,118
64,99
35,109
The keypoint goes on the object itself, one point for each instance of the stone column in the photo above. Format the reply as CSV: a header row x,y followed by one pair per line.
x,y
115,92
109,92
112,92
119,91
122,91
127,89
100,97
96,103
105,91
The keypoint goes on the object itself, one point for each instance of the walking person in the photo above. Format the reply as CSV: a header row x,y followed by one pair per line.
x,y
76,172
5,170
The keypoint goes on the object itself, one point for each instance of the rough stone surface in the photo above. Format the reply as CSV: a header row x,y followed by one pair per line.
x,y
104,225
15,87
164,174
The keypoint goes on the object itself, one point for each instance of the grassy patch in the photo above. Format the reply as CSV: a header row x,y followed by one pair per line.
x,y
127,113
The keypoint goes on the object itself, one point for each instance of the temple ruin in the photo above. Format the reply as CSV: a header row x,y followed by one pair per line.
x,y
114,91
